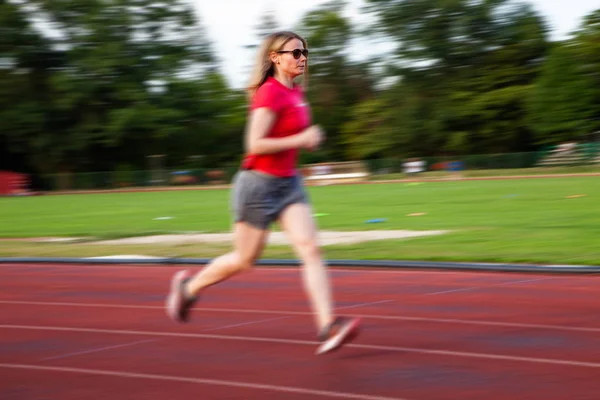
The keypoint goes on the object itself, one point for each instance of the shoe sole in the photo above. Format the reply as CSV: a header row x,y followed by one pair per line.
x,y
346,335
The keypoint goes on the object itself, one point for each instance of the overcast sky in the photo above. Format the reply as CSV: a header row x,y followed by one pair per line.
x,y
230,23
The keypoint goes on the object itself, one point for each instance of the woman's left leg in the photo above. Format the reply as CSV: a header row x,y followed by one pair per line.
x,y
297,221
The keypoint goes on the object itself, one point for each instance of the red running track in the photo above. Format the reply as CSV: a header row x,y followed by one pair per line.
x,y
95,332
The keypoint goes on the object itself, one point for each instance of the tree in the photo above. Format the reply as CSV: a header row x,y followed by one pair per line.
x,y
336,83
26,59
266,25
105,96
565,102
469,65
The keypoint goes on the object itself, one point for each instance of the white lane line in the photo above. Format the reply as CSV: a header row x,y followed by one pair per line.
x,y
304,313
450,353
214,382
364,304
244,324
453,291
482,323
68,304
100,349
467,289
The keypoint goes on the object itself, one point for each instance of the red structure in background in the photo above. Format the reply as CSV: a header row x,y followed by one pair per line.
x,y
13,184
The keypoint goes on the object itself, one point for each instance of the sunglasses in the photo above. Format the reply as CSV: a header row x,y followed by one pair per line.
x,y
296,52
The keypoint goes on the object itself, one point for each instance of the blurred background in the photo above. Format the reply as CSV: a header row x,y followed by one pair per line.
x,y
99,94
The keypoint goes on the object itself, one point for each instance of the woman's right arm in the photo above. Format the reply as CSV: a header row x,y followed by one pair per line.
x,y
259,124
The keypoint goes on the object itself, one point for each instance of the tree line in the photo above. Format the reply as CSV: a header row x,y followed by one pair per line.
x,y
95,85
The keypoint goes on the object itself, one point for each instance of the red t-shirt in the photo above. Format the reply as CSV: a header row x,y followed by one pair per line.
x,y
293,116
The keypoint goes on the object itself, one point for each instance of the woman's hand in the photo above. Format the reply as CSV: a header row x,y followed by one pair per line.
x,y
312,137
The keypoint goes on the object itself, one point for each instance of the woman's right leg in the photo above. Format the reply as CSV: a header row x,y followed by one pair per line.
x,y
249,243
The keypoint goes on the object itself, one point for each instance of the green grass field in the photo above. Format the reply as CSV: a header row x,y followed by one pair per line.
x,y
527,220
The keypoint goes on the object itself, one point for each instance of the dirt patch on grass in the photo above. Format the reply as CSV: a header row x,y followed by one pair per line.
x,y
326,238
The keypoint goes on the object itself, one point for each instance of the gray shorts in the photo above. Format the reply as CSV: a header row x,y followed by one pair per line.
x,y
259,199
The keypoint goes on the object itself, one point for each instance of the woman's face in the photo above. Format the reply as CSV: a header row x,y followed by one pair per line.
x,y
286,63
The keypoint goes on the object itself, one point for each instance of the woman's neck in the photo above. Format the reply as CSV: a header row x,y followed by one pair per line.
x,y
284,79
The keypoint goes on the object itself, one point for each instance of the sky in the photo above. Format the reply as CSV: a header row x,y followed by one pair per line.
x,y
230,25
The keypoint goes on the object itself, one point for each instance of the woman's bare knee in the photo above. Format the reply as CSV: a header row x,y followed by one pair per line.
x,y
308,249
242,262
249,244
